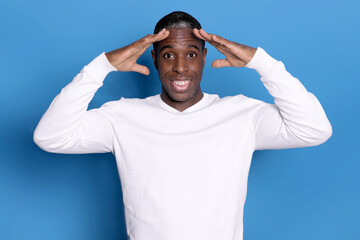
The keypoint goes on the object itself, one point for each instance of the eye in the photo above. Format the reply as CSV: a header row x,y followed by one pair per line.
x,y
192,55
167,55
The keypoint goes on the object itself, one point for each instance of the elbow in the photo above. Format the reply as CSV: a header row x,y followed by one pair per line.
x,y
54,144
323,133
36,138
314,134
42,142
329,132
39,141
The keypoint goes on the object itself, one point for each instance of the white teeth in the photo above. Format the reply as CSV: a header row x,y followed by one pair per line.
x,y
181,83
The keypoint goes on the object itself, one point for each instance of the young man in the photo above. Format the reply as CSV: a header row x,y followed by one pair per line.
x,y
183,156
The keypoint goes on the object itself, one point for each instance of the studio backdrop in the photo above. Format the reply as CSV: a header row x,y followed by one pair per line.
x,y
305,193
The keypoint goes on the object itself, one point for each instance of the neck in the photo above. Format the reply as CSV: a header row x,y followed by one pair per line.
x,y
181,105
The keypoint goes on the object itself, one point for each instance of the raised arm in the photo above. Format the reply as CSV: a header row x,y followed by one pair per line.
x,y
67,126
296,119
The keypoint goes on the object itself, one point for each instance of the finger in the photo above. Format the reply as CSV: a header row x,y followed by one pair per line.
x,y
144,43
197,34
219,63
220,48
205,35
164,33
158,37
220,40
150,39
216,39
210,39
141,69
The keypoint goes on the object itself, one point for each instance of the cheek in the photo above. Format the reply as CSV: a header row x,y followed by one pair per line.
x,y
197,67
164,67
161,72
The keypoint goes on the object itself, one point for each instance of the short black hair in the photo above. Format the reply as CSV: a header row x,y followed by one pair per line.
x,y
177,19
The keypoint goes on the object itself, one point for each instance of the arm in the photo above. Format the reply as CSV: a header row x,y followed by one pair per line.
x,y
296,119
67,126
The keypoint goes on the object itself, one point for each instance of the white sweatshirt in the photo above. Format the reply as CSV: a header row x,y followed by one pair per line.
x,y
184,174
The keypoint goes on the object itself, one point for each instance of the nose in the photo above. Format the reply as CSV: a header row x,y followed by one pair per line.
x,y
180,65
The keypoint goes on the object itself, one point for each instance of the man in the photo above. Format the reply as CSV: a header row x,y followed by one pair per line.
x,y
183,156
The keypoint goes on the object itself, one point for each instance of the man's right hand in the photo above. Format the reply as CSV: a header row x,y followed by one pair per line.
x,y
124,59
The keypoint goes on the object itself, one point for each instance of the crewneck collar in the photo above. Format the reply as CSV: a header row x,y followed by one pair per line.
x,y
200,104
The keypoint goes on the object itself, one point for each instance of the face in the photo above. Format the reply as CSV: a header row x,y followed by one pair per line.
x,y
180,62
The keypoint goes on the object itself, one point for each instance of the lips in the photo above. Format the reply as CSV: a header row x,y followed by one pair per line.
x,y
180,84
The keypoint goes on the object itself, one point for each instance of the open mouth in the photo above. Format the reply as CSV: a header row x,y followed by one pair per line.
x,y
180,85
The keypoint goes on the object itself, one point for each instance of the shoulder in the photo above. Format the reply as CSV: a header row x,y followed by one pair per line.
x,y
121,103
243,105
126,105
240,99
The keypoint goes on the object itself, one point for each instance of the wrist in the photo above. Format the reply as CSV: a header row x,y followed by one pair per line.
x,y
109,56
262,62
251,53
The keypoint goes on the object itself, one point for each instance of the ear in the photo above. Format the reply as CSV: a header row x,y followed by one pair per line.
x,y
204,52
153,54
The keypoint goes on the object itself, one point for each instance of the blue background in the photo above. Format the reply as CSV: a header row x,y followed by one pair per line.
x,y
306,193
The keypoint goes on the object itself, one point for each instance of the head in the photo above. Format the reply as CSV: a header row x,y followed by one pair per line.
x,y
180,60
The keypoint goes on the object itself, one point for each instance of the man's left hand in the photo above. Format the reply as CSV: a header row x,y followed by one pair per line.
x,y
237,55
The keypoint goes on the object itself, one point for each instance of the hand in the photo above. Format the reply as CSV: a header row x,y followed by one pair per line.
x,y
237,55
124,59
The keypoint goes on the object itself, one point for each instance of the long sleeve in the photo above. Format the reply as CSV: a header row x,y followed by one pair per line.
x,y
297,119
67,126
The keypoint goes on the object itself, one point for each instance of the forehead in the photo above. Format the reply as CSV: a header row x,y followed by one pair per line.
x,y
181,37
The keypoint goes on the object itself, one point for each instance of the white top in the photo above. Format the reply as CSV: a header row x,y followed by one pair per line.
x,y
184,174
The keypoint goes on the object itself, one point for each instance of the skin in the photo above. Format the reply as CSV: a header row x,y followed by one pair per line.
x,y
180,57
124,59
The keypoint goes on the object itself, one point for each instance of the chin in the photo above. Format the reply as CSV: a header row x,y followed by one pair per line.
x,y
180,97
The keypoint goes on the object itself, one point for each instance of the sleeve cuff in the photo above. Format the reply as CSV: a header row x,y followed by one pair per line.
x,y
261,62
100,66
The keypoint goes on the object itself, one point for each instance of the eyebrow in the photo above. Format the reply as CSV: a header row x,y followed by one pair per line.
x,y
189,46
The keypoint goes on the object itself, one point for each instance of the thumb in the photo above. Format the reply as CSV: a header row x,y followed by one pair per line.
x,y
141,69
219,63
